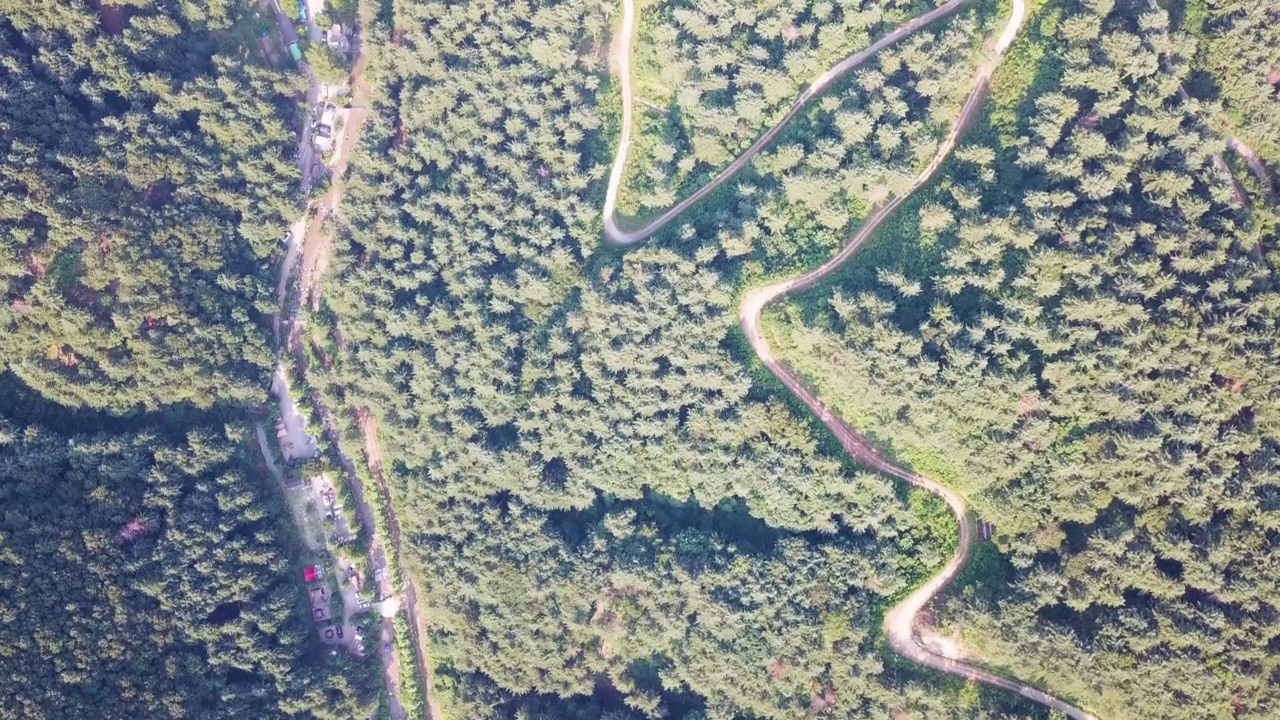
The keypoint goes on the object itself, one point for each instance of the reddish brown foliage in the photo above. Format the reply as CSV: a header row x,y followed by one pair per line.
x,y
823,702
1027,404
1231,385
134,529
777,670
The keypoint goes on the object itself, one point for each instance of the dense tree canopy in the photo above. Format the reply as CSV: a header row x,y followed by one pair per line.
x,y
601,501
145,565
146,185
1091,353
1238,63
144,577
1075,326
714,75
611,509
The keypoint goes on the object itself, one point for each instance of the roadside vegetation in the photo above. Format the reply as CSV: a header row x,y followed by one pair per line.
x,y
411,692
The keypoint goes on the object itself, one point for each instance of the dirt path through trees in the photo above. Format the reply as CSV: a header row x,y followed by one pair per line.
x,y
307,242
315,248
417,629
616,235
899,623
1235,144
1238,146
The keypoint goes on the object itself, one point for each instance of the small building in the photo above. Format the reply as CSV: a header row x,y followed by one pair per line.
x,y
337,40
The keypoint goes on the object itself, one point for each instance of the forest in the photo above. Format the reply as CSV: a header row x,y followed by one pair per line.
x,y
148,575
147,564
1092,360
146,181
612,510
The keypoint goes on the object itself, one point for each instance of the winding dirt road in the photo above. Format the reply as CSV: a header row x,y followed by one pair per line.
x,y
616,235
899,623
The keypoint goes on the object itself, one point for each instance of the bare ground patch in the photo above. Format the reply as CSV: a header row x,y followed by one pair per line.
x,y
315,249
113,18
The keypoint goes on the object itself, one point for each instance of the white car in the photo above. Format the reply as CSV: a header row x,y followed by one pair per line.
x,y
323,136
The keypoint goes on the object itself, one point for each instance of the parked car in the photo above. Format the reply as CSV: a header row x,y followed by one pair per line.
x,y
323,136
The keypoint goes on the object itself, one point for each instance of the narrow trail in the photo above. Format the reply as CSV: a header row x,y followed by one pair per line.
x,y
899,622
1234,144
417,626
1256,166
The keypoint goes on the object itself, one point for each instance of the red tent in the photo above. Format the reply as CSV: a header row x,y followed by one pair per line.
x,y
309,573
